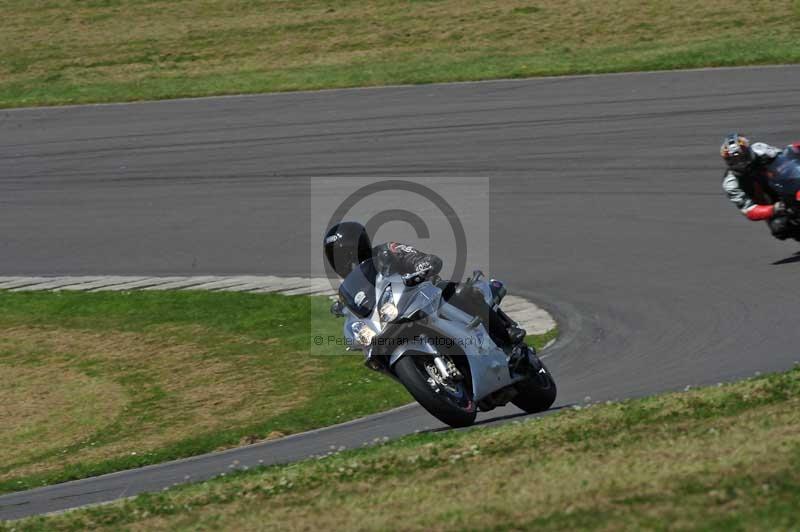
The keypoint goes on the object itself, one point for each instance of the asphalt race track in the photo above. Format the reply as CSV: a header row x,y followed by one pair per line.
x,y
606,208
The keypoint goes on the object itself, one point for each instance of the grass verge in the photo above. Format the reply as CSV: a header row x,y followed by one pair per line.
x,y
719,458
76,51
99,382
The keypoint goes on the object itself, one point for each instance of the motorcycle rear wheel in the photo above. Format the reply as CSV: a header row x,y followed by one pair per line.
x,y
442,404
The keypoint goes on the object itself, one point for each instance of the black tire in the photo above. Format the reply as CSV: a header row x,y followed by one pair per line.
x,y
439,404
536,393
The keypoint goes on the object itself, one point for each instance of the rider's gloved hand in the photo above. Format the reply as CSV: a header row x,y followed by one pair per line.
x,y
779,209
337,308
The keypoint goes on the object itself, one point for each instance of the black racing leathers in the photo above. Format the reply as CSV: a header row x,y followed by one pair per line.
x,y
393,257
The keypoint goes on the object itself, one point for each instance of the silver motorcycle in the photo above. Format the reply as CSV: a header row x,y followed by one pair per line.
x,y
413,329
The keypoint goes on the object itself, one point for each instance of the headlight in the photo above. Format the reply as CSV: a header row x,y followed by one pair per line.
x,y
362,332
388,312
387,309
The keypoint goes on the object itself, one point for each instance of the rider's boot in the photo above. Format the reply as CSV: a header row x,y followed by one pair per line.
x,y
518,358
516,334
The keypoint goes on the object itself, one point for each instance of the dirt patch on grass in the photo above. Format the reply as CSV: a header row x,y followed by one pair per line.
x,y
51,407
133,392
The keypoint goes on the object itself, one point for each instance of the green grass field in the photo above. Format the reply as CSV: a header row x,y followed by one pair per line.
x,y
98,382
718,458
71,51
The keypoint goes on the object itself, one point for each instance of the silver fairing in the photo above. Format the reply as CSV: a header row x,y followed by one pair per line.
x,y
423,306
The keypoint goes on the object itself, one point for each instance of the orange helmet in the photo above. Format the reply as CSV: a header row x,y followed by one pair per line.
x,y
736,152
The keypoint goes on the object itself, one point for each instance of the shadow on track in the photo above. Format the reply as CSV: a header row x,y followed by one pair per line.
x,y
788,260
499,419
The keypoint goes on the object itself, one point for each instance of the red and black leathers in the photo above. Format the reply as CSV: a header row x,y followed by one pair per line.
x,y
750,192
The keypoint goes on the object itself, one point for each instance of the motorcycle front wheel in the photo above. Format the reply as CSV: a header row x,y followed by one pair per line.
x,y
449,402
537,393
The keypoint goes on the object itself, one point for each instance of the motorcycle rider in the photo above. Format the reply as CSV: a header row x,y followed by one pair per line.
x,y
746,186
347,245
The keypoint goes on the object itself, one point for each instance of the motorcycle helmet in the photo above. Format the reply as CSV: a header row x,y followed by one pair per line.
x,y
347,245
736,152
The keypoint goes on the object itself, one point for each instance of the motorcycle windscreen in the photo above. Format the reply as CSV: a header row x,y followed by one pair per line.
x,y
357,291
